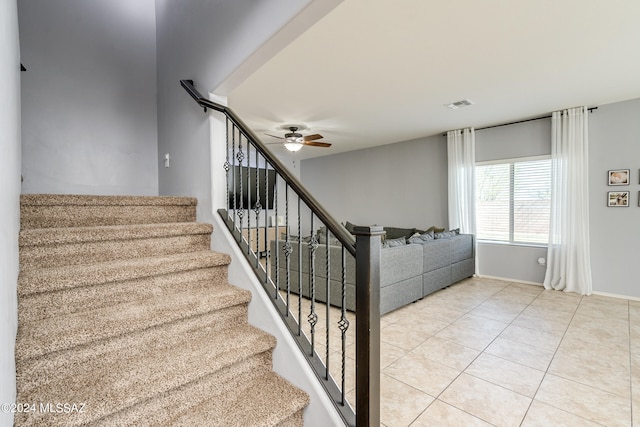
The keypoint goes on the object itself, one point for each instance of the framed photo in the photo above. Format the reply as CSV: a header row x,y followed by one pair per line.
x,y
618,198
619,177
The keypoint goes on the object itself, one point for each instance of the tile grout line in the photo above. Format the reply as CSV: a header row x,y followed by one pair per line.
x,y
474,359
546,371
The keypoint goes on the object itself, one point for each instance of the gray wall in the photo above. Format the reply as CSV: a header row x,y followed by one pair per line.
x,y
614,132
517,262
9,200
403,184
204,41
89,96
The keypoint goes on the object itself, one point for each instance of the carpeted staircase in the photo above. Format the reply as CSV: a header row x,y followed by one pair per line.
x,y
126,317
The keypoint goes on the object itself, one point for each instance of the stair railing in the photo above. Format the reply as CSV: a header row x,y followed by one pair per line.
x,y
319,278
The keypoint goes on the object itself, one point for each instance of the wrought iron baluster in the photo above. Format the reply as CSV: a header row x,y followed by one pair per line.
x,y
240,157
268,255
275,210
313,316
227,165
343,324
328,301
235,182
288,250
249,238
257,208
299,269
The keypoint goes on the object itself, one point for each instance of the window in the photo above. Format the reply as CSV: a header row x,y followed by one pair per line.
x,y
513,199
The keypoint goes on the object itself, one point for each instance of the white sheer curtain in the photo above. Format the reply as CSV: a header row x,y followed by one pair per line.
x,y
461,153
568,256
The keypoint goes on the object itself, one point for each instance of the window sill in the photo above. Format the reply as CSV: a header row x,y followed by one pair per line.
x,y
527,245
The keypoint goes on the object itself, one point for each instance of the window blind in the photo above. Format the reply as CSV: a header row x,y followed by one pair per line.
x,y
513,201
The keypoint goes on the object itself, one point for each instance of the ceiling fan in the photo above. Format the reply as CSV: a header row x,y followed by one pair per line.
x,y
293,141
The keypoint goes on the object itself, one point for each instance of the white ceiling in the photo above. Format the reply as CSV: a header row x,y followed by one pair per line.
x,y
374,72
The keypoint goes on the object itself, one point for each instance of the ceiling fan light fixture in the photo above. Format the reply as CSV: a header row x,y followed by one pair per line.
x,y
292,145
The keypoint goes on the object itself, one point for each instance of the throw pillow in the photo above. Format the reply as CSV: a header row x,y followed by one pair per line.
x,y
447,234
396,232
392,243
422,238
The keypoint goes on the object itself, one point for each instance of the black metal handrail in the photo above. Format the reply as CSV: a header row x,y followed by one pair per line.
x,y
338,231
272,260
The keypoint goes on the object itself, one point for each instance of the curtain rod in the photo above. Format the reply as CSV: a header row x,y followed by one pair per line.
x,y
522,121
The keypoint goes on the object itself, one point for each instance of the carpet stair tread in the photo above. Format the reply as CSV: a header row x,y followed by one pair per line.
x,y
65,277
45,247
90,200
58,333
65,235
125,382
36,371
125,314
265,401
85,298
61,210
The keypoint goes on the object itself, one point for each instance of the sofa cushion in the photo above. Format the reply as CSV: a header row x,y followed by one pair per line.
x,y
400,263
395,232
437,254
462,247
392,243
447,234
421,238
432,228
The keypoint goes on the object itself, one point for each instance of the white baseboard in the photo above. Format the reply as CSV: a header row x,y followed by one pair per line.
x,y
602,294
506,279
606,294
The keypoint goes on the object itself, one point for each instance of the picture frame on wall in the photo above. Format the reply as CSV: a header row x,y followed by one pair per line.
x,y
619,177
618,199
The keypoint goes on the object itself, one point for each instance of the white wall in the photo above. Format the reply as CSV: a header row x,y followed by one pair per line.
x,y
89,96
9,200
614,143
398,185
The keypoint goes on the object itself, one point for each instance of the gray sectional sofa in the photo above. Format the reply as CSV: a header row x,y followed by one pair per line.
x,y
408,271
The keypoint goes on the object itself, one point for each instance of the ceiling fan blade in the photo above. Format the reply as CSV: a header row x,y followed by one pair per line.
x,y
316,144
273,136
313,137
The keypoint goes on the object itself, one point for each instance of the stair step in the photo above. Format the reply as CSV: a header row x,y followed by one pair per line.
x,y
35,372
60,210
80,299
128,382
46,247
266,401
66,277
53,334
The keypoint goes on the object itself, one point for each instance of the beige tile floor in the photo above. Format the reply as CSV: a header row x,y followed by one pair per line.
x,y
486,352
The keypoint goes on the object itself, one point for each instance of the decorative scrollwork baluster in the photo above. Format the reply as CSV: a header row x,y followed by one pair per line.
x,y
313,316
343,324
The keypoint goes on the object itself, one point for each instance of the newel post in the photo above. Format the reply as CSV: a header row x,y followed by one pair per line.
x,y
368,247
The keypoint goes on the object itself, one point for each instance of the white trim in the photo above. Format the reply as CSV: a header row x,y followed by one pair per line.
x,y
514,160
602,294
503,243
606,294
505,279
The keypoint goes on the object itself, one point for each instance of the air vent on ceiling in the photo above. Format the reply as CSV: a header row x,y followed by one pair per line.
x,y
460,104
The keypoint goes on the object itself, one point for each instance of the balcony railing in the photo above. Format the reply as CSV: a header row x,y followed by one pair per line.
x,y
319,277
